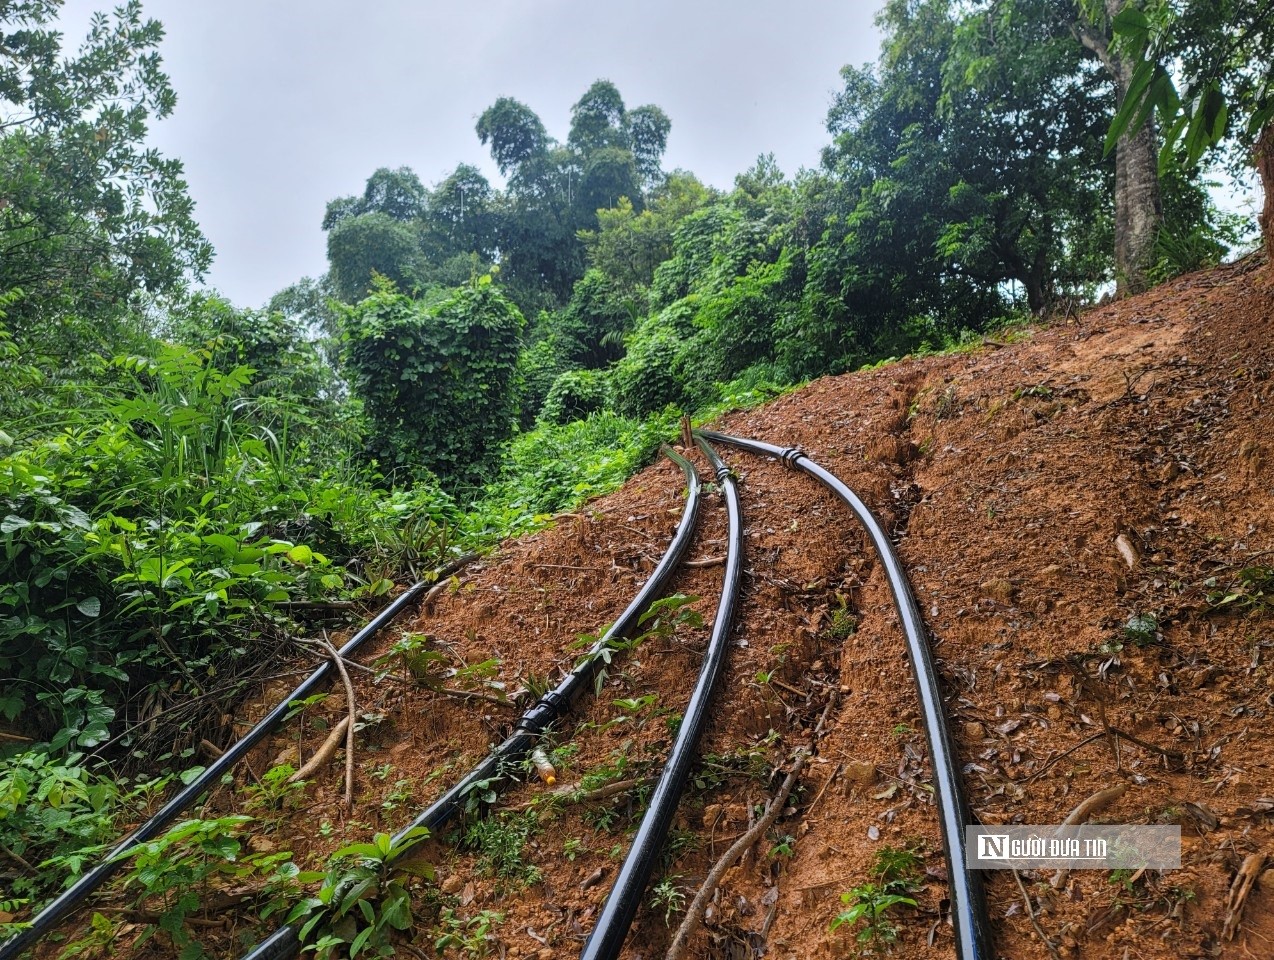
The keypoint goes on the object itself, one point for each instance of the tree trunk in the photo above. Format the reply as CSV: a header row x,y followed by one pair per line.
x,y
1138,206
1265,167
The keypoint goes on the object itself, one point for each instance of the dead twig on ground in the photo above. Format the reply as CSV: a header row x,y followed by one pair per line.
x,y
694,913
1030,912
574,793
351,720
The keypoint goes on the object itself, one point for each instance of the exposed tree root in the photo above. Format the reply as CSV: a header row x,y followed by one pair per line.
x,y
1098,802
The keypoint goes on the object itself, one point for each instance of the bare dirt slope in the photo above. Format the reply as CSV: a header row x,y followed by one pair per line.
x,y
1112,468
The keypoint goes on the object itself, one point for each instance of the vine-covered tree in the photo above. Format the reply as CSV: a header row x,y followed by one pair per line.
x,y
437,382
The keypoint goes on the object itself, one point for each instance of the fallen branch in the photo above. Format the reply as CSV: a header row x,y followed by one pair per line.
x,y
324,753
1065,753
1030,912
351,720
705,562
472,695
573,793
1098,802
1239,891
694,914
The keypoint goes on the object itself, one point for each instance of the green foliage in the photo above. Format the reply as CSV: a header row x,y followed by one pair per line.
x,y
364,899
474,936
650,377
437,383
363,247
1251,589
1224,61
57,811
92,218
897,873
554,467
871,905
176,874
667,896
153,539
500,842
555,190
576,395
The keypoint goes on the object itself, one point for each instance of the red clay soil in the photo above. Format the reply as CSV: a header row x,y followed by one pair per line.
x,y
1043,493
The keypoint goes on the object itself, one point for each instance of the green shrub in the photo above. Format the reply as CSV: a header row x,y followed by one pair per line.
x,y
651,374
575,395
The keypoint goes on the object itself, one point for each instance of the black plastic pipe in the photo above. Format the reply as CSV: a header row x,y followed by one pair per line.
x,y
72,896
285,943
616,916
968,898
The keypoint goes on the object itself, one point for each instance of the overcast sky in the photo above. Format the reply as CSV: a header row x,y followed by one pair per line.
x,y
285,104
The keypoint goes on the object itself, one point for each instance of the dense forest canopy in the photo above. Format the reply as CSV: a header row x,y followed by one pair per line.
x,y
179,475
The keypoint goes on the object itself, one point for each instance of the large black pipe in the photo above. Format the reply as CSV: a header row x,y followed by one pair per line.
x,y
285,944
46,919
616,916
968,898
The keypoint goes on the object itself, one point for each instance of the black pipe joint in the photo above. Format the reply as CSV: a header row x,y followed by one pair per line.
x,y
722,473
549,708
789,456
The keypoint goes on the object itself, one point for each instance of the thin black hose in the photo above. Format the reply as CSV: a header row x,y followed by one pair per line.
x,y
493,771
73,895
968,898
616,916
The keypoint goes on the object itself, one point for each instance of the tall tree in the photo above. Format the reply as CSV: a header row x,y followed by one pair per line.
x,y
1138,202
1223,52
89,216
555,190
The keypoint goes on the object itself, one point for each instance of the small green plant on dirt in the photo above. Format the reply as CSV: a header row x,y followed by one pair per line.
x,y
1251,589
562,755
364,898
175,874
400,794
413,652
872,905
500,842
572,848
899,867
661,620
534,687
1141,629
784,846
844,623
750,762
668,897
474,936
275,792
382,772
669,614
901,730
779,650
678,842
